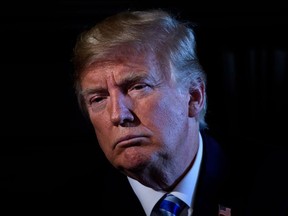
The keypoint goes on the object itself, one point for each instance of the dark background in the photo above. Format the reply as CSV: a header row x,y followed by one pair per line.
x,y
44,137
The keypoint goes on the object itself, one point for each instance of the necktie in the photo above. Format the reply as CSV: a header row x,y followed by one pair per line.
x,y
169,205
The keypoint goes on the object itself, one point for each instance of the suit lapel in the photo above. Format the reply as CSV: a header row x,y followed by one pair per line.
x,y
211,188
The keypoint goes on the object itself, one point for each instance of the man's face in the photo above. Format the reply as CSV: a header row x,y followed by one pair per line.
x,y
139,114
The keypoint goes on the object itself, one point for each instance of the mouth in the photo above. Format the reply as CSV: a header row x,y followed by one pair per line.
x,y
129,141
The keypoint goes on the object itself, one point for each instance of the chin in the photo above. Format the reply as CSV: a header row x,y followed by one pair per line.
x,y
134,159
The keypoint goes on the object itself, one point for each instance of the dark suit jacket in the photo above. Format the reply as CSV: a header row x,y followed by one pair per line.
x,y
223,181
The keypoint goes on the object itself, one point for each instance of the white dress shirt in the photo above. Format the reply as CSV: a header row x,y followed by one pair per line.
x,y
184,190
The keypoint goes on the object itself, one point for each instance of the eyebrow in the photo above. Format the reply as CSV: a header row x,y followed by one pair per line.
x,y
127,80
132,78
89,91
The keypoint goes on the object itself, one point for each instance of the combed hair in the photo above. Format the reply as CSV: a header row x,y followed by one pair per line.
x,y
154,32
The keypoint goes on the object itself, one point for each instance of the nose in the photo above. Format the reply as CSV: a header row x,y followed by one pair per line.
x,y
121,113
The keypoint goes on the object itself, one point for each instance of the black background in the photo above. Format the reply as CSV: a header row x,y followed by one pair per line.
x,y
44,137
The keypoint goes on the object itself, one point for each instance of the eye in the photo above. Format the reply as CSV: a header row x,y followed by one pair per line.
x,y
96,103
139,90
138,87
96,100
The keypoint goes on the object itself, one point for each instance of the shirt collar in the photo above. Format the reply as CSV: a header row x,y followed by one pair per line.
x,y
184,190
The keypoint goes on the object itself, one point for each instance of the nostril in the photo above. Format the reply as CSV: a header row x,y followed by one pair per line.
x,y
127,122
123,117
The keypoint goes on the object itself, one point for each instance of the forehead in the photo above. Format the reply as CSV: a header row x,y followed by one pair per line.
x,y
119,69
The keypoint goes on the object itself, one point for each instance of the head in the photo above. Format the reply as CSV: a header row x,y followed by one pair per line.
x,y
139,82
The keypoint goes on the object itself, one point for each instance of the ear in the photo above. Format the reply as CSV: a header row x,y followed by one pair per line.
x,y
197,99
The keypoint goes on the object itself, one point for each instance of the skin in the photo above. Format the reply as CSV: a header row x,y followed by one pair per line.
x,y
145,124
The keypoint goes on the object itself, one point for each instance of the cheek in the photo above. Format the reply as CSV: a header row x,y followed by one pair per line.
x,y
104,142
99,120
102,128
166,112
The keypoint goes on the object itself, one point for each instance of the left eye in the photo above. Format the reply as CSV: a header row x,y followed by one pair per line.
x,y
138,87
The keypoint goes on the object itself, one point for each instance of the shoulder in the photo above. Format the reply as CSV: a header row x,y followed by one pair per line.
x,y
255,178
101,191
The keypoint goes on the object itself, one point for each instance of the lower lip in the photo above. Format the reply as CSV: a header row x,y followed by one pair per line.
x,y
136,141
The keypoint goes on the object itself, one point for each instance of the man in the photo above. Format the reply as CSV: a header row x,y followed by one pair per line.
x,y
139,82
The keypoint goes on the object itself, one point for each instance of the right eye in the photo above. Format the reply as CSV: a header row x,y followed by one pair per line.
x,y
96,103
96,100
